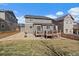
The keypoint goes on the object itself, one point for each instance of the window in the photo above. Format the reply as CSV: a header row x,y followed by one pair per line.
x,y
70,22
66,30
30,26
2,26
66,22
70,31
39,28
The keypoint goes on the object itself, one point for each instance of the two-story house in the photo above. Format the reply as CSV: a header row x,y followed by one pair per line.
x,y
65,24
39,25
8,21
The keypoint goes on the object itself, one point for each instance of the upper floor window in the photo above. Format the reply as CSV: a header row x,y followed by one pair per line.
x,y
66,30
66,22
70,22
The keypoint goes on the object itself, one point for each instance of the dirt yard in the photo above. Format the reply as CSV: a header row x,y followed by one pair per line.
x,y
20,35
6,34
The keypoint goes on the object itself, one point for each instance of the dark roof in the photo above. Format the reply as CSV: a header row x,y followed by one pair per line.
x,y
43,24
38,17
62,17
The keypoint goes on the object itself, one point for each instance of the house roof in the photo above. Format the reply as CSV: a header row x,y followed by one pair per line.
x,y
38,17
62,17
43,24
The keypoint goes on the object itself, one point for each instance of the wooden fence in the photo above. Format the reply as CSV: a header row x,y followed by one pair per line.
x,y
73,37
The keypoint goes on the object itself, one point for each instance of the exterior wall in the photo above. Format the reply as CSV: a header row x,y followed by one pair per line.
x,y
10,17
29,24
9,20
68,25
29,27
4,26
2,15
60,26
28,20
40,21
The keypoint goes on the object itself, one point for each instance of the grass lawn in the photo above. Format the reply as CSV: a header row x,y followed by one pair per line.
x,y
39,47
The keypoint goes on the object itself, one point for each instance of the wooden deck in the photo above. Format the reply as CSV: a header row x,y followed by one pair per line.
x,y
47,34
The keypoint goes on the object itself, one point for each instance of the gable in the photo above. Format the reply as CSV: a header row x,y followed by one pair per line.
x,y
62,18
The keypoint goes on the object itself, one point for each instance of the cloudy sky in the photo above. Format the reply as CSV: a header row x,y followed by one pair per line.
x,y
52,10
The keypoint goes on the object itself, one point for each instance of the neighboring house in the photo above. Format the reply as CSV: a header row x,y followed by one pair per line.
x,y
76,28
8,21
65,24
39,25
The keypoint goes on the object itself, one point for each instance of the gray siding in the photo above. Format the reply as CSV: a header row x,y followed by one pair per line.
x,y
2,15
4,26
10,22
29,24
68,25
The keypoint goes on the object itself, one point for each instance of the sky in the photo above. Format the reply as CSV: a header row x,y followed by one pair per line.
x,y
52,10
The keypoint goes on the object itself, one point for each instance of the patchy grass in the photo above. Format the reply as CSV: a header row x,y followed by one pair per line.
x,y
39,47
